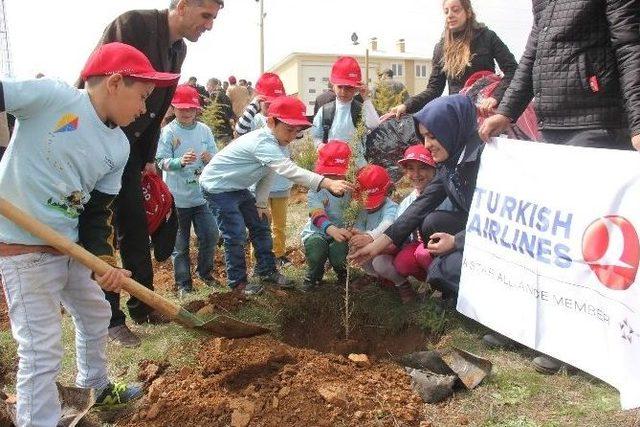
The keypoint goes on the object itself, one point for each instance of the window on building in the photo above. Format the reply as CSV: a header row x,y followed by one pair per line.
x,y
312,102
312,79
421,70
398,70
312,91
325,79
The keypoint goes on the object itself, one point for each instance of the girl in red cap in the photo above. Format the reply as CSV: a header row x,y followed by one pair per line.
x,y
412,259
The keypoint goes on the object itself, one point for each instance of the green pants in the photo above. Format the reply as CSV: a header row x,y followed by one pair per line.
x,y
317,249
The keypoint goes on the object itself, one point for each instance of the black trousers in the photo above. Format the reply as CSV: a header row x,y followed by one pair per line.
x,y
2,150
444,271
133,240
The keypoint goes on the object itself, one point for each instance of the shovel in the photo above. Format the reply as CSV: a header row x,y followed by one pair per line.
x,y
222,325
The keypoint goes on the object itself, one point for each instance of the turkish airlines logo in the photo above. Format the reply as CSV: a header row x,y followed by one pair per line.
x,y
611,249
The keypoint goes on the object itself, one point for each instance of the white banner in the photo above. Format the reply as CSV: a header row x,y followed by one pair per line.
x,y
551,255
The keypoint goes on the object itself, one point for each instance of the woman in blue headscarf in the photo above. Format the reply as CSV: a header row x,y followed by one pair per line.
x,y
448,126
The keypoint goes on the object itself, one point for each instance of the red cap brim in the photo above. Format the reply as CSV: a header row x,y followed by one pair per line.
x,y
295,122
345,82
332,170
374,201
182,106
403,161
158,78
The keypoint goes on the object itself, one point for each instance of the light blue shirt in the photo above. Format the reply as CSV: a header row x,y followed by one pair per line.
x,y
243,163
281,185
59,153
175,141
342,128
371,221
333,207
404,204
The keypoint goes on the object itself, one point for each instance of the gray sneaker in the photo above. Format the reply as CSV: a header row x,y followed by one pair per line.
x,y
123,336
277,279
547,365
248,290
495,340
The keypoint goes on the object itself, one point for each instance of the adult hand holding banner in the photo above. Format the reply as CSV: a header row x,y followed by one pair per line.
x,y
551,255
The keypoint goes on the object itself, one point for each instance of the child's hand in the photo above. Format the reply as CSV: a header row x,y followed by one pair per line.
x,y
206,157
336,187
338,234
371,250
360,240
113,279
188,158
441,243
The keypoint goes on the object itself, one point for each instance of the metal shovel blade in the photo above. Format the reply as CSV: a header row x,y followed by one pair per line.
x,y
229,327
470,368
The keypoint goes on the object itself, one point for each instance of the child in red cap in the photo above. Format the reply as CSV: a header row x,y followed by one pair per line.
x,y
268,88
64,166
338,119
185,147
324,236
412,259
374,183
256,158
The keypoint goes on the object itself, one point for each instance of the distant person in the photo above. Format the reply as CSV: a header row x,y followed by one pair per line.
x,y
222,129
397,88
324,98
202,92
239,96
225,86
250,89
466,47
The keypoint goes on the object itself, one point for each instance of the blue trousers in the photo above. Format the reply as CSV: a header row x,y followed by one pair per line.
x,y
236,212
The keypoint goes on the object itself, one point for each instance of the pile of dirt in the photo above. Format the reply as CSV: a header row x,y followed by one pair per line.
x,y
261,381
225,302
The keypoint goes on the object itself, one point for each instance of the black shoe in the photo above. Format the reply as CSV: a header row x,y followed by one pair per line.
x,y
547,365
495,340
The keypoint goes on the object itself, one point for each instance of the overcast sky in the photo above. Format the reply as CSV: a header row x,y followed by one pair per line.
x,y
55,37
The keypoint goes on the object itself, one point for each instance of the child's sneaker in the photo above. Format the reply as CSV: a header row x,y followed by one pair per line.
x,y
277,279
117,394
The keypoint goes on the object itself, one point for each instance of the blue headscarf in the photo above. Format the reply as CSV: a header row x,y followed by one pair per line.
x,y
452,121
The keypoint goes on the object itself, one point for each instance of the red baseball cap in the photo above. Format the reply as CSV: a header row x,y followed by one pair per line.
x,y
186,97
120,58
333,158
374,181
290,110
418,153
270,86
346,72
232,80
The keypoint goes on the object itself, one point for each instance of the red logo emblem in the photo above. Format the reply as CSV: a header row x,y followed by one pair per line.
x,y
610,246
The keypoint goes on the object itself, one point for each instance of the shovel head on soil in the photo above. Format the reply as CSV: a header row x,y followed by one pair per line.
x,y
229,327
431,387
470,368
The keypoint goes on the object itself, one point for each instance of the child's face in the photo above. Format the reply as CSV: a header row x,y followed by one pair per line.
x,y
344,93
418,173
283,132
438,152
185,116
127,102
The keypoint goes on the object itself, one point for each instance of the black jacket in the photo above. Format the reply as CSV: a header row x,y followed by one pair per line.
x,y
581,64
437,191
486,47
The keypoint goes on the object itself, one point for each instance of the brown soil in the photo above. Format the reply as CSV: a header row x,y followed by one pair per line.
x,y
264,382
229,301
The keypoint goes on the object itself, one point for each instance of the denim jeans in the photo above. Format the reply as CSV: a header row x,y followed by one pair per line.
x,y
236,212
206,229
35,285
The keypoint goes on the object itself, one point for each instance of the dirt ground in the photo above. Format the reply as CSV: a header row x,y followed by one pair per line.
x,y
264,382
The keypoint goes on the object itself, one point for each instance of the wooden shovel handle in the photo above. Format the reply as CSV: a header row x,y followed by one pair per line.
x,y
80,254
